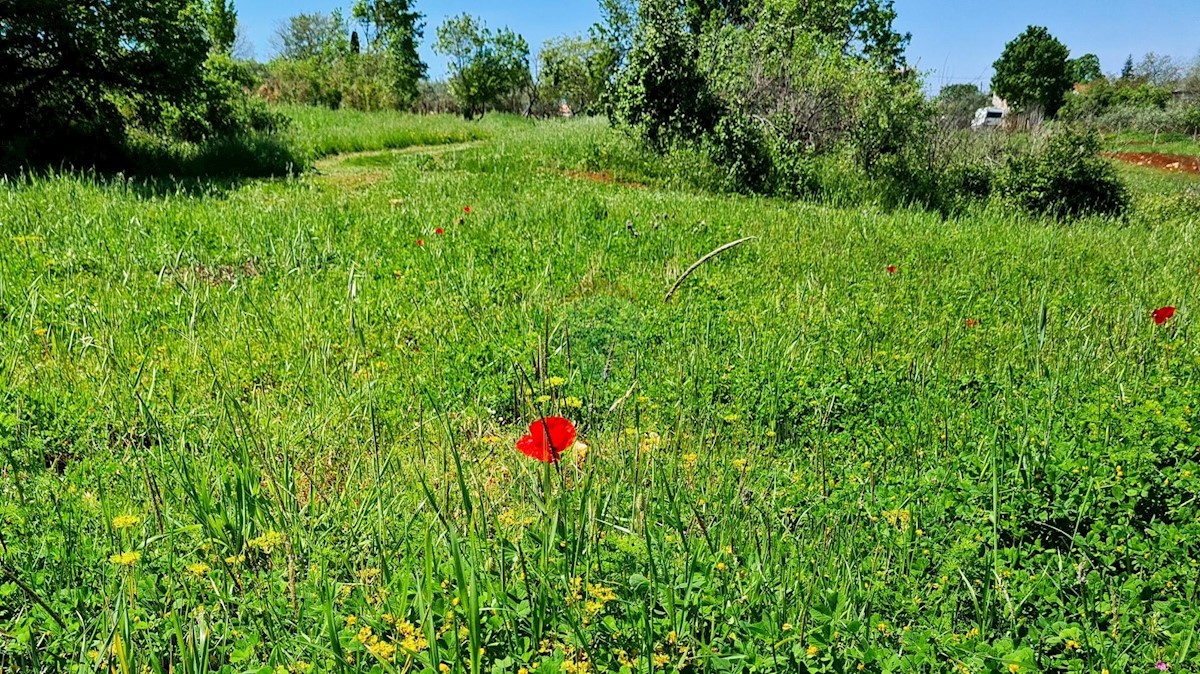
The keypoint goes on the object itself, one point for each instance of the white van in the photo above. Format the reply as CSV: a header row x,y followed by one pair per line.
x,y
987,118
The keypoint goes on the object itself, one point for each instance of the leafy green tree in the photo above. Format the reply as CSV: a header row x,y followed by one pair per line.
x,y
661,93
484,66
222,25
573,70
1086,69
397,30
858,28
957,103
67,63
317,36
1033,70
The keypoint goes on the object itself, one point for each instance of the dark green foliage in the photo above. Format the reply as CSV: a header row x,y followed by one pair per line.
x,y
738,147
66,64
485,67
661,95
1064,177
1086,68
799,80
1033,70
217,106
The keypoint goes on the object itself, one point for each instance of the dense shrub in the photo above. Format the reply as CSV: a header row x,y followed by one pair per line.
x,y
1064,175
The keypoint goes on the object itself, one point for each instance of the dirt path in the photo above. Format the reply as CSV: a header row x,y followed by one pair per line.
x,y
1177,163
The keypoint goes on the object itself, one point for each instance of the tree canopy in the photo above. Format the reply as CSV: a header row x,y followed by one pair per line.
x,y
484,65
66,63
1034,70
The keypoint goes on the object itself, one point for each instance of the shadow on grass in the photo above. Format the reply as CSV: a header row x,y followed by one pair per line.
x,y
151,166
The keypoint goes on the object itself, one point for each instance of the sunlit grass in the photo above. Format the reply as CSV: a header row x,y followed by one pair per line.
x,y
258,426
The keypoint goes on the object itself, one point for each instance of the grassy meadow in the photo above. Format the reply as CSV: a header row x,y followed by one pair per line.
x,y
269,426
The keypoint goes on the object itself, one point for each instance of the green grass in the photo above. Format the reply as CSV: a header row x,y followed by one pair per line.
x,y
320,132
800,463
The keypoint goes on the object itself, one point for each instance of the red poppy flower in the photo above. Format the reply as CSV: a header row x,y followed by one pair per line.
x,y
891,269
439,230
972,322
547,439
1162,314
420,242
466,209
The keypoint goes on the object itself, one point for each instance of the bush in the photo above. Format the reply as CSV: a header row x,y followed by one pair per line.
x,y
1064,176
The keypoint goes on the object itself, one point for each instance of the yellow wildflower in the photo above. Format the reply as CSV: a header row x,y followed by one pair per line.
x,y
125,558
573,402
267,542
1014,668
661,660
557,381
126,522
443,668
383,650
542,399
199,569
813,651
787,627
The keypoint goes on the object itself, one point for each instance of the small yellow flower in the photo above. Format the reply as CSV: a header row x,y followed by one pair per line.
x,y
542,399
267,542
351,620
556,381
813,651
787,627
126,522
721,566
661,660
443,668
125,558
1014,668
199,569
1071,645
573,402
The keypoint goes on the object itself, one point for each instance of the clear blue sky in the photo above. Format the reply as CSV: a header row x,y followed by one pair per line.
x,y
953,41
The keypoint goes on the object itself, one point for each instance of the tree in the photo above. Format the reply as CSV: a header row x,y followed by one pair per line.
x,y
1160,71
355,45
397,29
1086,69
661,94
222,25
317,36
573,70
1127,69
484,66
957,103
67,63
1033,70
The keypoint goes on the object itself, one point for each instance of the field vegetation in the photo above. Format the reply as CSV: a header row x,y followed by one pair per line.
x,y
271,425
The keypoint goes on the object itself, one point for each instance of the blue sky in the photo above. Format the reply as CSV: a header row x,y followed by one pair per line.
x,y
953,41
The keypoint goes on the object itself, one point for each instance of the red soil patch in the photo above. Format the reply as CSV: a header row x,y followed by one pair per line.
x,y
603,177
1165,162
